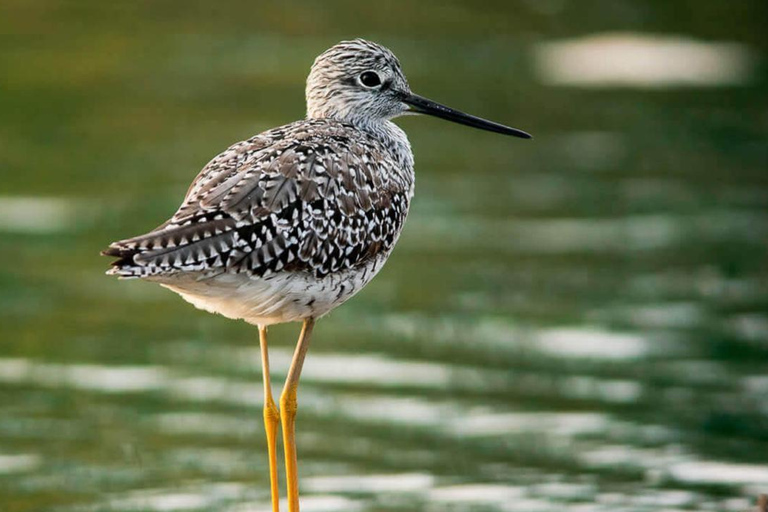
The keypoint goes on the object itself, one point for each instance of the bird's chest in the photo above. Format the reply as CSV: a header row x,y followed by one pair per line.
x,y
321,295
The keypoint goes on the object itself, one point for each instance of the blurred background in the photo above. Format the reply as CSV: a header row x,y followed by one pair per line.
x,y
579,322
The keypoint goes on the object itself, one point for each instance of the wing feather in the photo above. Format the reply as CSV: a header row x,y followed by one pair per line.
x,y
307,197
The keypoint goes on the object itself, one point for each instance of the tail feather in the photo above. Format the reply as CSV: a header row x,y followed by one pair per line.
x,y
172,248
125,266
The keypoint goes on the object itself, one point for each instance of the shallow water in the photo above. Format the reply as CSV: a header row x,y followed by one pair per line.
x,y
574,323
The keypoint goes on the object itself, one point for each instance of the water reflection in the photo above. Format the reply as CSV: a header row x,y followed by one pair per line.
x,y
720,473
641,60
393,396
207,405
20,463
37,215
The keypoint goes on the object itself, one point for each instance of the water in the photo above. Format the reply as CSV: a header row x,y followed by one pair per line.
x,y
574,323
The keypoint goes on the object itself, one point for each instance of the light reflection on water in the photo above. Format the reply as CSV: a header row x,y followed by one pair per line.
x,y
642,60
601,439
376,391
37,215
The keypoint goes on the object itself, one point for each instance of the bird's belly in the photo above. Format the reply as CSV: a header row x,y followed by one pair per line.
x,y
279,298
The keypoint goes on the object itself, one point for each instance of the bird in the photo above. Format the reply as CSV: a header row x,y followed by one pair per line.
x,y
291,223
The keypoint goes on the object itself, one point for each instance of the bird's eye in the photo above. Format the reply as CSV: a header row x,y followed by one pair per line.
x,y
370,79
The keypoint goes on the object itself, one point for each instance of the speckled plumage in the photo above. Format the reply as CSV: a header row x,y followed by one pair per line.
x,y
291,222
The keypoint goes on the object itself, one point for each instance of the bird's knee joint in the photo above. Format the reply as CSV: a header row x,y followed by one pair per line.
x,y
289,404
271,413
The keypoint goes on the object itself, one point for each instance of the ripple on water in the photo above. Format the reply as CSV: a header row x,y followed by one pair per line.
x,y
561,424
101,378
722,473
591,343
206,423
477,494
398,483
19,463
504,335
203,496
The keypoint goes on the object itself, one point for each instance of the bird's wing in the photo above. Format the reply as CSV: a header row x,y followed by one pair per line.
x,y
314,202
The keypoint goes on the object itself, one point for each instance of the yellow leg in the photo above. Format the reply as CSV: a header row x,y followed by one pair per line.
x,y
271,421
288,407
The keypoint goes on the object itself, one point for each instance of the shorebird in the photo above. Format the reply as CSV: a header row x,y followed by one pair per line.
x,y
291,223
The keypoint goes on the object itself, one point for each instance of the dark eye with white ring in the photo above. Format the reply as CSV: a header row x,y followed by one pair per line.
x,y
370,79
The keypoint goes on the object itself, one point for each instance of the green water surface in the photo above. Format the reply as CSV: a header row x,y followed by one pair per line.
x,y
578,322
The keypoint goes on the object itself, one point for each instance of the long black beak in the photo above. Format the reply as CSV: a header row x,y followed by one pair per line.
x,y
424,106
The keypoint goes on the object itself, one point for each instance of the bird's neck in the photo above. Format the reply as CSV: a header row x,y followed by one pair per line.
x,y
394,139
387,133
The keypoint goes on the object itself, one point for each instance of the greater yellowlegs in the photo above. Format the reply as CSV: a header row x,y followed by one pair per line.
x,y
291,223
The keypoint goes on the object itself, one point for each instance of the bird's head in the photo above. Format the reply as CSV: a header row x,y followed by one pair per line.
x,y
362,83
355,81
